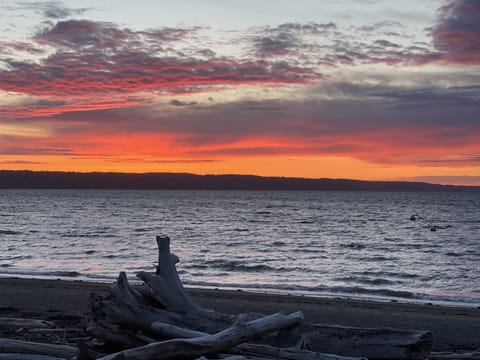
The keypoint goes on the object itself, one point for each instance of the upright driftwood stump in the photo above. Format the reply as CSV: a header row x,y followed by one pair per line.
x,y
160,317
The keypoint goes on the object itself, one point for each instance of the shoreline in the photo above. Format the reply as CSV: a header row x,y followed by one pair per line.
x,y
453,328
473,302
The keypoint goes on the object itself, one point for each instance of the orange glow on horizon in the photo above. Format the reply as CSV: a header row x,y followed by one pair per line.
x,y
307,167
365,158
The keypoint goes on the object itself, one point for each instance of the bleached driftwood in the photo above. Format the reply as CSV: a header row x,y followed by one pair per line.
x,y
164,330
55,331
208,344
12,322
286,353
167,289
163,312
111,335
166,286
122,291
26,347
475,355
373,343
8,356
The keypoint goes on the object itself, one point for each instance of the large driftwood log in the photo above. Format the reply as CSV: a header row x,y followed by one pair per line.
x,y
26,347
286,353
475,355
27,357
209,344
163,330
373,343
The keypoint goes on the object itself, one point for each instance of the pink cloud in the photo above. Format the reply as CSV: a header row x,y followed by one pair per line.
x,y
103,58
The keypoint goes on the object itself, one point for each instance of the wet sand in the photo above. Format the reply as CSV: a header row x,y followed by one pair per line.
x,y
453,328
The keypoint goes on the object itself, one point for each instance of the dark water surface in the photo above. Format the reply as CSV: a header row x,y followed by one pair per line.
x,y
356,244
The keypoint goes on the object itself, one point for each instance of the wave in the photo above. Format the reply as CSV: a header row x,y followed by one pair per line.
x,y
401,275
16,257
355,246
368,281
354,292
231,265
43,274
90,235
64,273
9,232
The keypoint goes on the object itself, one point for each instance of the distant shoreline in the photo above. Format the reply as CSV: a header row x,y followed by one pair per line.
x,y
25,179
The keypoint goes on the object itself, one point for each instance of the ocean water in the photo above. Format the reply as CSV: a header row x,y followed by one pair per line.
x,y
345,244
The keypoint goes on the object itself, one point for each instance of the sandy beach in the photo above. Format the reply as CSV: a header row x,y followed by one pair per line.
x,y
453,328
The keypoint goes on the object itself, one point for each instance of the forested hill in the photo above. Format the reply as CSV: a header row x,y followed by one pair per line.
x,y
102,180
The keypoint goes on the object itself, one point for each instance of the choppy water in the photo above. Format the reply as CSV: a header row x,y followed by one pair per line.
x,y
354,244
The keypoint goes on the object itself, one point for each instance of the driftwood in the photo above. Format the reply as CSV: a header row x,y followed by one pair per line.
x,y
11,322
208,344
26,347
8,356
163,311
373,343
286,353
475,355
171,331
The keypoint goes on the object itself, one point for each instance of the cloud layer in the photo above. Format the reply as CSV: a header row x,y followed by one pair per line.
x,y
88,89
457,32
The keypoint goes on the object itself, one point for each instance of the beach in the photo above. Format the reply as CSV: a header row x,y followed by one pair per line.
x,y
453,328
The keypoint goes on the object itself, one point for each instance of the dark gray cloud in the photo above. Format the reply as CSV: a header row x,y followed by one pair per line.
x,y
329,45
176,102
11,48
53,10
83,33
457,31
287,38
381,124
282,43
466,159
381,27
386,44
356,116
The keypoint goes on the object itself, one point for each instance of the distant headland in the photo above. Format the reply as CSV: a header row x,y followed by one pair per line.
x,y
25,179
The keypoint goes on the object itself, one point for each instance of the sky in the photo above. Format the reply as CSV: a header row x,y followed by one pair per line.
x,y
359,89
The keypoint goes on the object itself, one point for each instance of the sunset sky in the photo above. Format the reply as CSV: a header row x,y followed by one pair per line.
x,y
362,89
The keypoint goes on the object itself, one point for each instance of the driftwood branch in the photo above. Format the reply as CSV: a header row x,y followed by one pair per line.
x,y
208,344
8,356
475,355
11,322
286,353
373,343
26,347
